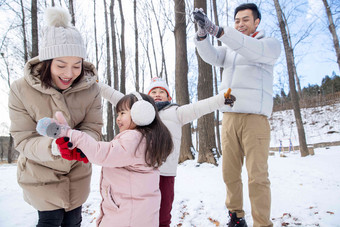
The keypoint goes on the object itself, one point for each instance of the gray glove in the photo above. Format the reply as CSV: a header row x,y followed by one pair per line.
x,y
204,23
201,32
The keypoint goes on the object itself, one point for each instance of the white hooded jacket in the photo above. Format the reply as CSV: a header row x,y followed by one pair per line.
x,y
174,117
248,68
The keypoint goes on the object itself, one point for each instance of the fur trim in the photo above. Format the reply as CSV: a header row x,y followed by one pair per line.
x,y
54,148
58,17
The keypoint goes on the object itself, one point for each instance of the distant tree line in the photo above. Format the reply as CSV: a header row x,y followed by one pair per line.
x,y
329,85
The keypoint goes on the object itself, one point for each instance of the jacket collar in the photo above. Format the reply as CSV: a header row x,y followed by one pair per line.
x,y
258,34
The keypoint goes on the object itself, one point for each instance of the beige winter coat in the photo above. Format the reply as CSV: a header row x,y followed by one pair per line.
x,y
51,182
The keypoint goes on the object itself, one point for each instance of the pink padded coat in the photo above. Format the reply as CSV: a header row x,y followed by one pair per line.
x,y
129,188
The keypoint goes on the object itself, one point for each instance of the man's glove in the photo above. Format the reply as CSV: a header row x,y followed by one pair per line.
x,y
201,32
74,154
229,99
204,23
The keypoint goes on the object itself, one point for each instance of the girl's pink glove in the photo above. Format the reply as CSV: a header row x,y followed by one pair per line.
x,y
53,128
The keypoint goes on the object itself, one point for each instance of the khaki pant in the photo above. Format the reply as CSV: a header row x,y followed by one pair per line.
x,y
247,135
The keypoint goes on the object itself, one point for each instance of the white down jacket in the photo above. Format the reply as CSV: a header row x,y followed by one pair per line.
x,y
174,117
248,68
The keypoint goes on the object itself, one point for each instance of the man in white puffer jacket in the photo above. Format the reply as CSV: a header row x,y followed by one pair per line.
x,y
174,117
248,58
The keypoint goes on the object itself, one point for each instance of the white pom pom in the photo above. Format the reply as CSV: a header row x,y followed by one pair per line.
x,y
58,17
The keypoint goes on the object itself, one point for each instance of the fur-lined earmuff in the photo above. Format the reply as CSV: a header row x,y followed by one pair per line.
x,y
142,112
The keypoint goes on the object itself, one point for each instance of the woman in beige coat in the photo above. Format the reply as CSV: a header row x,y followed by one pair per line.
x,y
57,80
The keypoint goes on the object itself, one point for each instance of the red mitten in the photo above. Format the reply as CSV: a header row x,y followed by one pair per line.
x,y
80,156
74,154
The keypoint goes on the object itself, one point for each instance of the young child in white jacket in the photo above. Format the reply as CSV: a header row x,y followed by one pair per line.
x,y
174,117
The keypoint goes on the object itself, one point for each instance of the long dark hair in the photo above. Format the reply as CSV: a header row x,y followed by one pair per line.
x,y
158,138
46,77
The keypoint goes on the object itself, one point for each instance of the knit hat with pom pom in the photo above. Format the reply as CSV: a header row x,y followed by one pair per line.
x,y
59,37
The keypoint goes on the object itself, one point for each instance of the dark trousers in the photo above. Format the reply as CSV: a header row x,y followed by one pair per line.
x,y
166,186
56,218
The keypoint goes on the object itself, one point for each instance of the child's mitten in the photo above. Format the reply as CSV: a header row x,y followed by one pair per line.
x,y
64,146
229,99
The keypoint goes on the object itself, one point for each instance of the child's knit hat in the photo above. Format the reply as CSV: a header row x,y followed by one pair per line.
x,y
157,82
59,37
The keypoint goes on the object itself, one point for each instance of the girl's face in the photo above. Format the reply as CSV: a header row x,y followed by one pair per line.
x,y
65,70
124,120
159,95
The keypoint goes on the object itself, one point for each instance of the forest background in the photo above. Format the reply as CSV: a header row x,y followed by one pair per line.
x,y
132,41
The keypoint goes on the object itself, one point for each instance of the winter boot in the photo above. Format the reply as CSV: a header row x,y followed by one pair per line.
x,y
234,221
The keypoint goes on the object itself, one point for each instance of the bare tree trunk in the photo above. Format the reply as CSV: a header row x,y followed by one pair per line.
x,y
219,43
10,146
136,44
145,44
114,55
217,120
294,96
109,125
95,33
332,30
122,52
153,45
207,144
160,34
23,25
181,74
2,151
294,68
71,9
34,15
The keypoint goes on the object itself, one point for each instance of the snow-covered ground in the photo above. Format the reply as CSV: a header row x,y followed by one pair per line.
x,y
305,191
322,124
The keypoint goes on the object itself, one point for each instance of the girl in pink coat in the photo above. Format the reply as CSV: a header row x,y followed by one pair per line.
x,y
129,183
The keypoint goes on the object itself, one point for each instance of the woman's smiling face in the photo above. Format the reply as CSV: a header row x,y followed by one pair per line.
x,y
65,70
